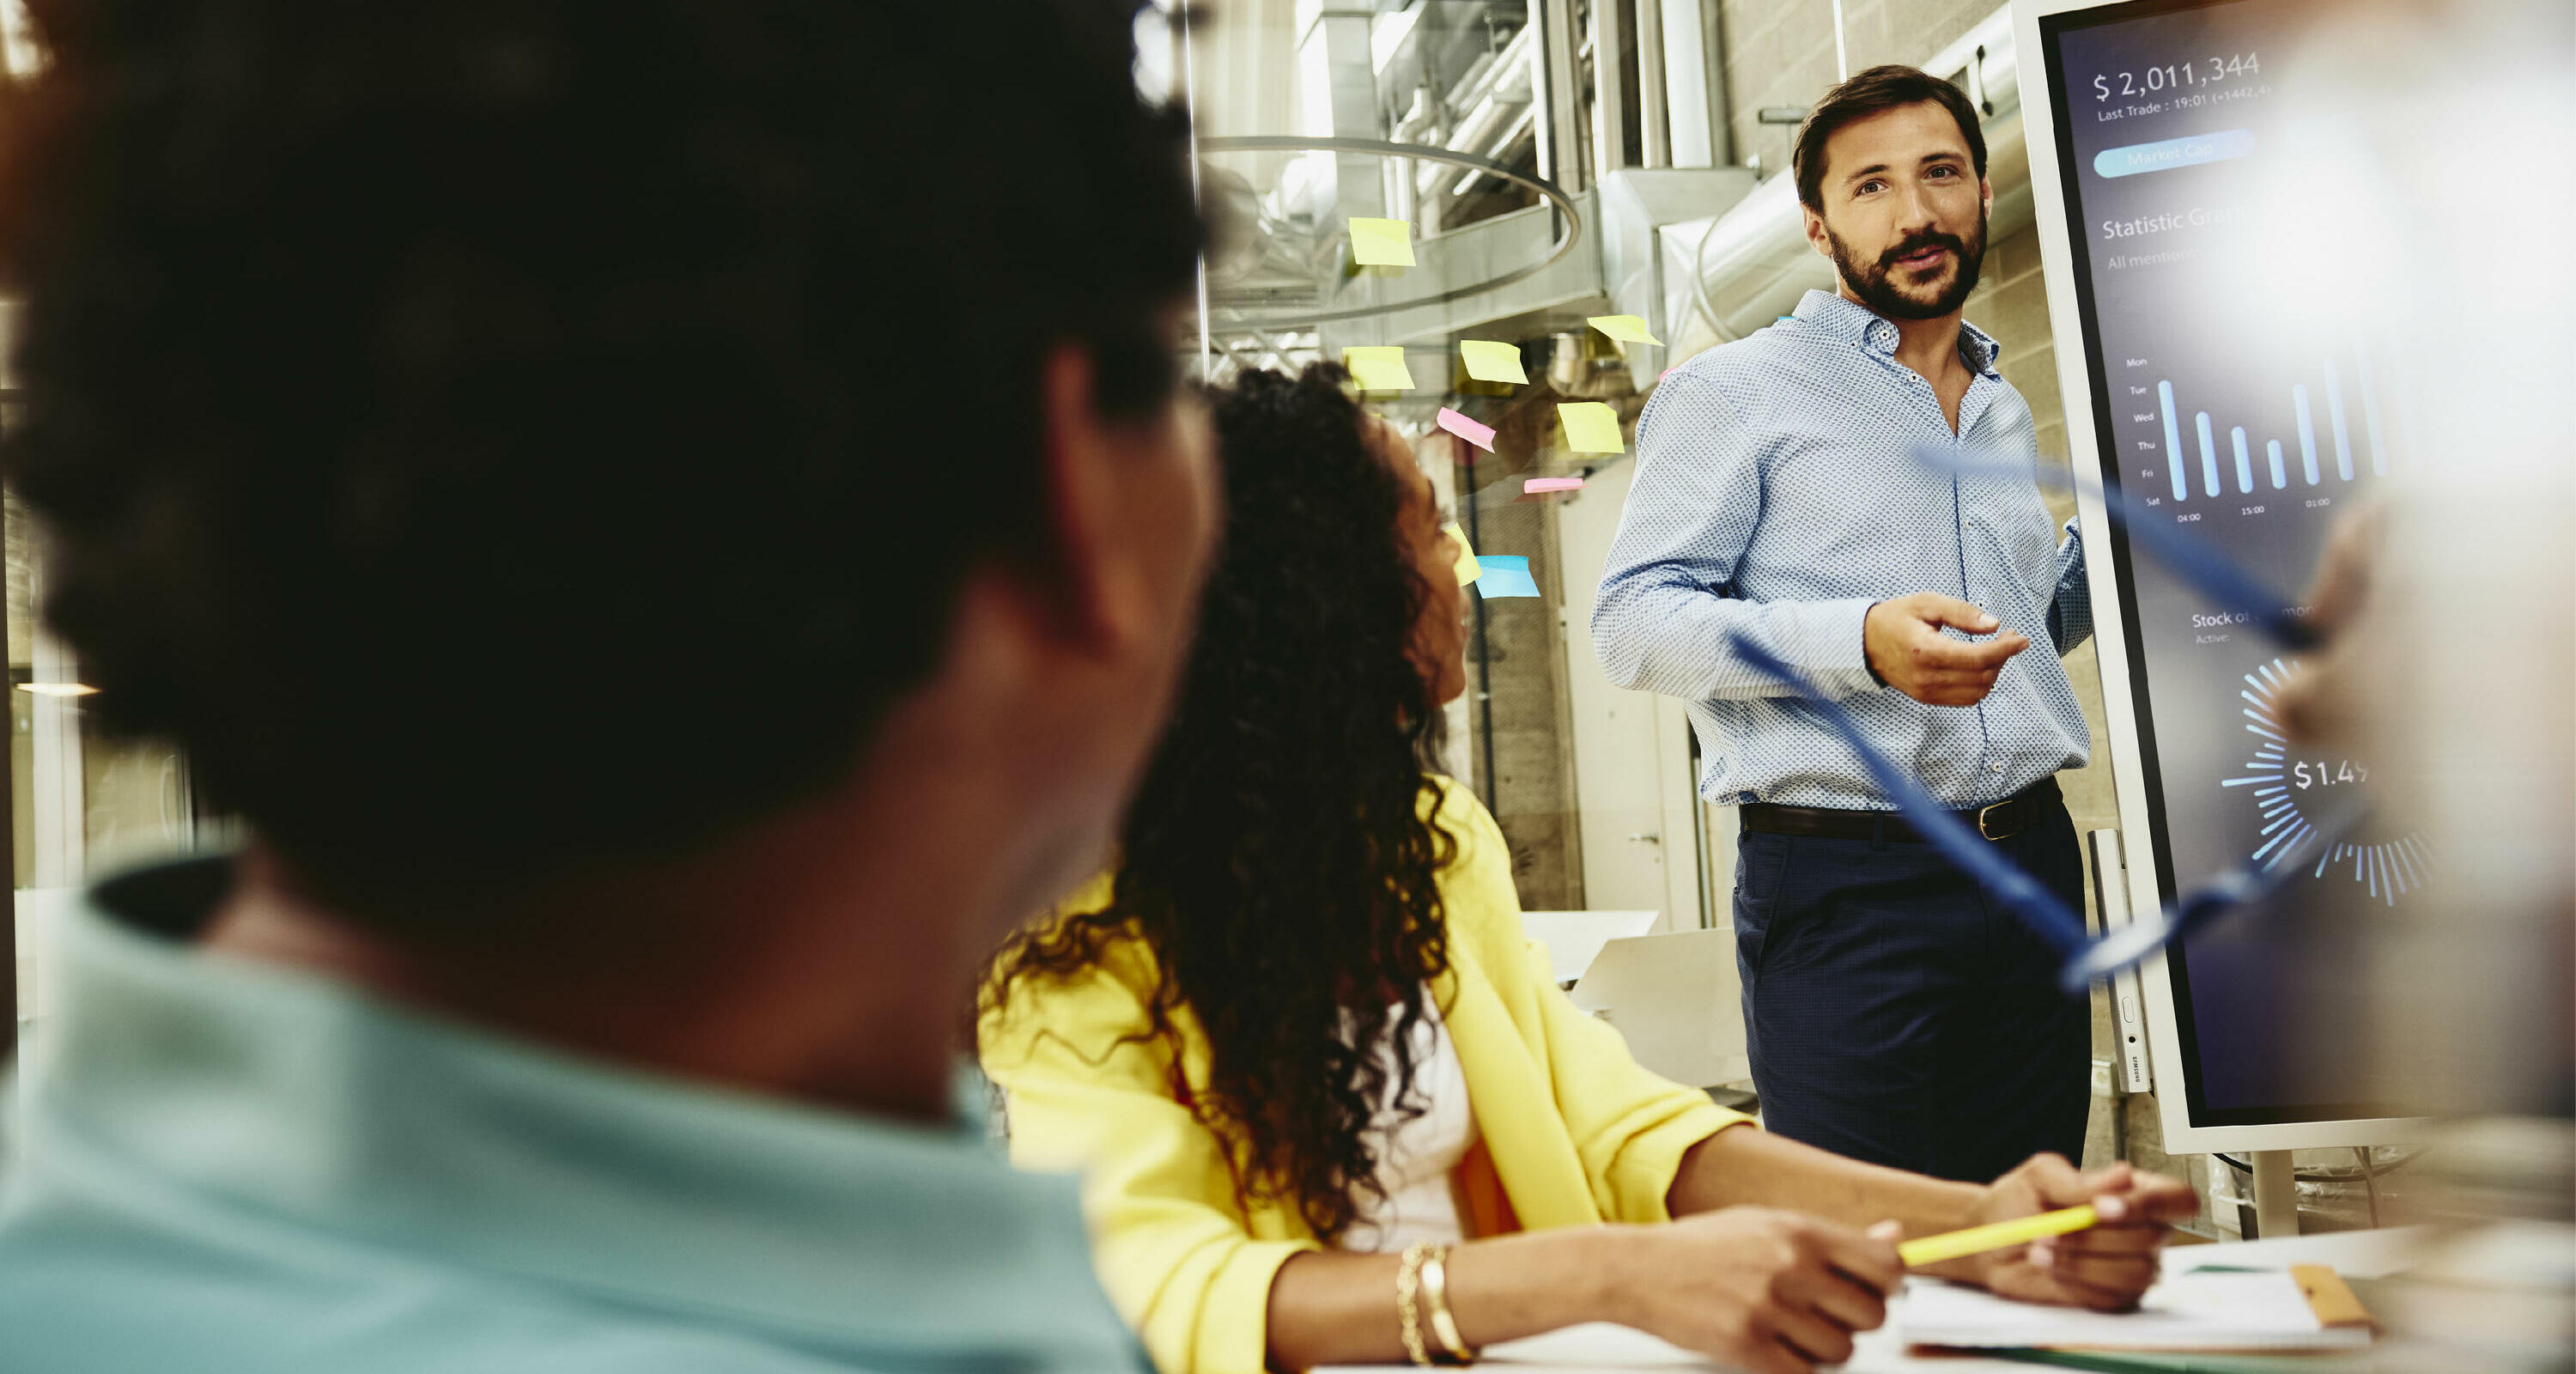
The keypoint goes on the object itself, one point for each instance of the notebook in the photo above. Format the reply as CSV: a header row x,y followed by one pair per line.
x,y
2268,1311
2196,1362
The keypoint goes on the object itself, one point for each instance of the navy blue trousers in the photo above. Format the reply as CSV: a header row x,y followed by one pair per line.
x,y
1895,1014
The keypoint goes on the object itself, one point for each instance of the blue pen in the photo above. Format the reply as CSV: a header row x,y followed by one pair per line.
x,y
2243,885
2018,892
2195,561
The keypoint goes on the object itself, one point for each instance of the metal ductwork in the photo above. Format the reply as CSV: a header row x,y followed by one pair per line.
x,y
1493,114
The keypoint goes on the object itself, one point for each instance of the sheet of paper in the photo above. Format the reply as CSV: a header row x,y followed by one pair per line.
x,y
1506,575
1575,938
2262,1311
1596,1345
1590,427
1378,368
1468,568
1600,1348
1492,362
1624,328
2353,1254
1533,485
1482,436
1381,242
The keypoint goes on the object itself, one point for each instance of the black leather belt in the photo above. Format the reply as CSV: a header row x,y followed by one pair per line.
x,y
1997,821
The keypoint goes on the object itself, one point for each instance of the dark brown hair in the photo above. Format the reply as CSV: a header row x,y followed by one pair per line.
x,y
1278,862
1880,88
368,345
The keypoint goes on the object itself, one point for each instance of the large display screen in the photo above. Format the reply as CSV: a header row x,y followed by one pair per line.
x,y
2172,126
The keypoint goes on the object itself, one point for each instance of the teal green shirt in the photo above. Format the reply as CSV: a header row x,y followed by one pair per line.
x,y
225,1166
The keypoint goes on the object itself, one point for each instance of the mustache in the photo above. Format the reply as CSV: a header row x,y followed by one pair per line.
x,y
1918,243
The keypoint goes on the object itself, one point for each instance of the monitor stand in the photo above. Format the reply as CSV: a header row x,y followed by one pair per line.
x,y
2276,1194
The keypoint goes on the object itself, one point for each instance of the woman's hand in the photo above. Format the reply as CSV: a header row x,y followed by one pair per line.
x,y
2105,1267
1770,1291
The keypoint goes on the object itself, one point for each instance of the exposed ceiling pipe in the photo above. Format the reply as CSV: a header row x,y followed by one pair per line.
x,y
1509,66
1505,148
1491,114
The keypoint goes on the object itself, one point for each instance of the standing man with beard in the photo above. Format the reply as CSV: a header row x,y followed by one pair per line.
x,y
1895,1013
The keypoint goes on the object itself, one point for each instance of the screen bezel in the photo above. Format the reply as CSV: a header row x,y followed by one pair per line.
x,y
2190,1125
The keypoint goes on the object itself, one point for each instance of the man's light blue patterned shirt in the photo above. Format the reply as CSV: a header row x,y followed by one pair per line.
x,y
1777,495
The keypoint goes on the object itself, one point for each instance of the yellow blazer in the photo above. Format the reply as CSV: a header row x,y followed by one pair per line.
x,y
1574,1132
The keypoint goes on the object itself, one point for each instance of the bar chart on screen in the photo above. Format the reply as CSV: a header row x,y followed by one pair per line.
x,y
2310,431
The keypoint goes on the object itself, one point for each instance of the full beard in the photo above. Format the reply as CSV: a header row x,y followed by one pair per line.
x,y
1873,282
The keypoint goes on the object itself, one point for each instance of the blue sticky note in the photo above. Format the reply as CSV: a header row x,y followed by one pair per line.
x,y
1505,575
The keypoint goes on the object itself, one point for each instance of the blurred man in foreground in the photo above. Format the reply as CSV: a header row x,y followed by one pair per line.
x,y
500,445
2465,1000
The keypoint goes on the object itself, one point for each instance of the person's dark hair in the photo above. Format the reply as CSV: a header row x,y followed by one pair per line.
x,y
1278,863
1880,88
500,438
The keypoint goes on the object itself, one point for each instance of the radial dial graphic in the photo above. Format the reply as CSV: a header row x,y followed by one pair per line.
x,y
2292,787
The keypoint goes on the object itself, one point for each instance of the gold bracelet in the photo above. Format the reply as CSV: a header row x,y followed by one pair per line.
x,y
1435,1288
1408,1284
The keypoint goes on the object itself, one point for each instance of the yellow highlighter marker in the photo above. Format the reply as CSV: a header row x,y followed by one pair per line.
x,y
1978,1239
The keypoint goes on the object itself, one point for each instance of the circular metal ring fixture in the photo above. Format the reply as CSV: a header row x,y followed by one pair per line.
x,y
1275,143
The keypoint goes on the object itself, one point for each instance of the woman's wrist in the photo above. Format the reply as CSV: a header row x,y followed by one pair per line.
x,y
1602,1268
1519,1285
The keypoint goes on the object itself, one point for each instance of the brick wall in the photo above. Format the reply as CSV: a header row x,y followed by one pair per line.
x,y
1781,52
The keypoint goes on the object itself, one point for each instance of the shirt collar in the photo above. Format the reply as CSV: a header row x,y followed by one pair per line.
x,y
1871,331
300,1097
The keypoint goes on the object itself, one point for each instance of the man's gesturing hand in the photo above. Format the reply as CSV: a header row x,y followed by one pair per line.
x,y
1905,646
1764,1290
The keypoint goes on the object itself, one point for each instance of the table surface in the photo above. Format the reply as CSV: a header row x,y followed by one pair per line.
x,y
1606,1349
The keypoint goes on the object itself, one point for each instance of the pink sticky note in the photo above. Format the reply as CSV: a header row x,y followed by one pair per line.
x,y
1479,435
1538,484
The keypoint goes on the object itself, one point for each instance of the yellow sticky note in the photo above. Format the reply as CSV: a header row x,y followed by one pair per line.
x,y
1492,362
1590,427
1378,368
1468,568
1624,328
1382,242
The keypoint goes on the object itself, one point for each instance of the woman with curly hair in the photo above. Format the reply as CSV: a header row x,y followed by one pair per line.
x,y
1331,1105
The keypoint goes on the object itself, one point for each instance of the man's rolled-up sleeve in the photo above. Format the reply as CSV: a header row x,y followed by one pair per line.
x,y
1660,624
2070,613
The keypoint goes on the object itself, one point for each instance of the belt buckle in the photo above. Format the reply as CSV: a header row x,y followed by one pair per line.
x,y
1988,810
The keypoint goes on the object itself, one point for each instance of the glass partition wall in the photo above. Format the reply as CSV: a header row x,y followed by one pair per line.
x,y
1391,182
